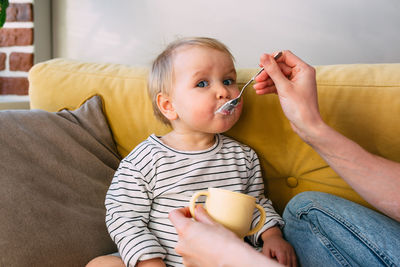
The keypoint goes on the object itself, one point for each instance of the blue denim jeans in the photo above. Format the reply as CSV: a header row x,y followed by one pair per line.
x,y
326,230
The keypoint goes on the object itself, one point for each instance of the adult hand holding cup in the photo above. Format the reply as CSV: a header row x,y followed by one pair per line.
x,y
231,209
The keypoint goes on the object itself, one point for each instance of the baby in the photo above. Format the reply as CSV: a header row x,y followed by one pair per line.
x,y
188,82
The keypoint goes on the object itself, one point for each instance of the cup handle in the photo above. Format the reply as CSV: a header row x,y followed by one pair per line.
x,y
193,201
260,223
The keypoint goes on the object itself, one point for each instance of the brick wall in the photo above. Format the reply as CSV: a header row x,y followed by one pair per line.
x,y
16,48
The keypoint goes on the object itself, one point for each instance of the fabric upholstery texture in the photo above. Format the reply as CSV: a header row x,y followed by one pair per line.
x,y
55,171
362,101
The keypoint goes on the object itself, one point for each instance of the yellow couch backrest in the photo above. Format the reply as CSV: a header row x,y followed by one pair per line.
x,y
360,101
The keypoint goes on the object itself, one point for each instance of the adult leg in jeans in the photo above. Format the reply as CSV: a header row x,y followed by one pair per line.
x,y
326,230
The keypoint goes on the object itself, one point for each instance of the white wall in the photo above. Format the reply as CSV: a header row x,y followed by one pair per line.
x,y
321,32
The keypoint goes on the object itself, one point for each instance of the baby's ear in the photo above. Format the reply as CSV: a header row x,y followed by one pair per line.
x,y
164,104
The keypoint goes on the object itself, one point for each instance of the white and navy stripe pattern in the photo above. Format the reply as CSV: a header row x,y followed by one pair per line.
x,y
155,179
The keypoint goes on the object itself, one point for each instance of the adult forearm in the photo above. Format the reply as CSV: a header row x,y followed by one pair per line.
x,y
376,179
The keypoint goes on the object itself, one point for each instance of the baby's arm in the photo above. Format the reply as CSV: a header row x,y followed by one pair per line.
x,y
255,188
274,246
128,204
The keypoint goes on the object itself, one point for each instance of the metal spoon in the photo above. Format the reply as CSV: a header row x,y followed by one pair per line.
x,y
228,107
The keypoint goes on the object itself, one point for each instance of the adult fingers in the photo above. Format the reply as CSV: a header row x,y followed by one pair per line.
x,y
266,90
263,76
263,85
202,216
181,213
272,68
180,218
291,59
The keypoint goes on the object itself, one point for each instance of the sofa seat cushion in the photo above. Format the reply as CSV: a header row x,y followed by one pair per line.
x,y
55,171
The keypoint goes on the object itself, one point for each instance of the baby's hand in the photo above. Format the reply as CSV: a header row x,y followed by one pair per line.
x,y
275,247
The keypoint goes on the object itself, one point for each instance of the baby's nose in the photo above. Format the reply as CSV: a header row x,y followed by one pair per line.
x,y
222,92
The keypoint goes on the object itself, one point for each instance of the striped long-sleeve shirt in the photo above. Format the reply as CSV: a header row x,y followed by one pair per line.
x,y
155,179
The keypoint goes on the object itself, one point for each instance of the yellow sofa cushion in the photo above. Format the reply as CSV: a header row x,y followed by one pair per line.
x,y
360,101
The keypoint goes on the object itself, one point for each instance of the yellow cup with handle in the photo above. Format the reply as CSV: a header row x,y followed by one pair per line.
x,y
231,209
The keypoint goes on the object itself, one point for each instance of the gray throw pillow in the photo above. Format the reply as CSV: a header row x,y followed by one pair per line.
x,y
55,169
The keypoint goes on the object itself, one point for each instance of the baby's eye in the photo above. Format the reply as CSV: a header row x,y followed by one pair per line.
x,y
202,84
228,82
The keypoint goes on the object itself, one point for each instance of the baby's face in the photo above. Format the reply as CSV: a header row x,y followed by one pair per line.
x,y
203,80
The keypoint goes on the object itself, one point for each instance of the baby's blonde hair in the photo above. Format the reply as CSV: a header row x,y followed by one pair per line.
x,y
160,76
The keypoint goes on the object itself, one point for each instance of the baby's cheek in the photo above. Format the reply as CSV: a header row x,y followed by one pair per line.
x,y
235,93
239,108
202,114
